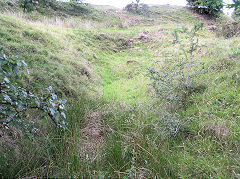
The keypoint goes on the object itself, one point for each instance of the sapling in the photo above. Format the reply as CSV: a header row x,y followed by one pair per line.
x,y
177,79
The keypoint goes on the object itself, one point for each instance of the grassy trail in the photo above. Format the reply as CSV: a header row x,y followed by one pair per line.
x,y
125,80
114,123
124,73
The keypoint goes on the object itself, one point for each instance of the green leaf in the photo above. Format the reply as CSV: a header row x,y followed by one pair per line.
x,y
63,114
23,62
7,98
15,70
54,96
52,111
43,121
6,79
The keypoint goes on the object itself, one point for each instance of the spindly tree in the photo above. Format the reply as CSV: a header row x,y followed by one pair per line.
x,y
137,3
236,6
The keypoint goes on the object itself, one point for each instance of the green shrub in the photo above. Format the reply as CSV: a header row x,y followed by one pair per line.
x,y
177,79
31,5
236,14
209,7
236,5
136,8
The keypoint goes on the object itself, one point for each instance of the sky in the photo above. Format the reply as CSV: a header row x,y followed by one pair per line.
x,y
123,3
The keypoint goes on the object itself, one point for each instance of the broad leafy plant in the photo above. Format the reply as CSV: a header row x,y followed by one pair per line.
x,y
18,103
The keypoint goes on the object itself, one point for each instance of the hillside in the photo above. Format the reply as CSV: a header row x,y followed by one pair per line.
x,y
100,59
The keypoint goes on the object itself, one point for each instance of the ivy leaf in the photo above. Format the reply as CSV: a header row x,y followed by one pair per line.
x,y
53,104
4,56
63,114
61,106
52,111
6,79
37,102
23,62
64,123
49,88
56,118
54,96
24,94
19,63
7,98
17,100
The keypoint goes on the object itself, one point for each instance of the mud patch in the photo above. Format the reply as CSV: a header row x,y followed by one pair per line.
x,y
92,137
219,130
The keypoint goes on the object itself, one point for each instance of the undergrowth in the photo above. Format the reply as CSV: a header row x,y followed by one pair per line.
x,y
114,125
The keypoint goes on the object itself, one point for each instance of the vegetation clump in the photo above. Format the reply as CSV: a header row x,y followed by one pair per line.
x,y
137,8
229,29
17,101
178,79
175,83
209,7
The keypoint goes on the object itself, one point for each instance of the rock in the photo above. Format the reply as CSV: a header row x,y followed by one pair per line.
x,y
131,40
131,61
212,27
94,56
143,36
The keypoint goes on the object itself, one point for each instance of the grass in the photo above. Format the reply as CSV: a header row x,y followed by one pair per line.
x,y
101,69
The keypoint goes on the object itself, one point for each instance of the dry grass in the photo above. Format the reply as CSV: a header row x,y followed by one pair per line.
x,y
91,140
56,22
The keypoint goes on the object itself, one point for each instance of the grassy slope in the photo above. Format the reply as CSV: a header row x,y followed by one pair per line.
x,y
99,71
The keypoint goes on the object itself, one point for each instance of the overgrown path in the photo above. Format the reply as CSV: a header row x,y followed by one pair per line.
x,y
125,80
100,62
125,75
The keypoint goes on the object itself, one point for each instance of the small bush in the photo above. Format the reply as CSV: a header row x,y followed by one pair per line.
x,y
142,9
209,7
30,5
236,14
177,79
